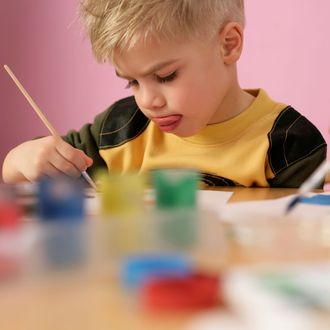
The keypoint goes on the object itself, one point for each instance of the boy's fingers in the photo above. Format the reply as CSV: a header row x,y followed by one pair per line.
x,y
89,161
51,171
63,165
75,157
46,170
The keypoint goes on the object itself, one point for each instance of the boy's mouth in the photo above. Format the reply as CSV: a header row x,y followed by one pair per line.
x,y
167,123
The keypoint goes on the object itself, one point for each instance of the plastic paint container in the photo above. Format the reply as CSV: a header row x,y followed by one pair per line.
x,y
10,234
175,188
137,270
61,212
192,292
176,207
122,195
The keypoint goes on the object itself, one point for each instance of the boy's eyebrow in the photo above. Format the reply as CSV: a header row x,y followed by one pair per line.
x,y
152,69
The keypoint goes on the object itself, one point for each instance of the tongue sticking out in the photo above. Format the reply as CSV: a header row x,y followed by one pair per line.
x,y
168,123
165,121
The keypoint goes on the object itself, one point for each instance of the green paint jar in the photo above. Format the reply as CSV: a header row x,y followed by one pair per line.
x,y
176,207
175,188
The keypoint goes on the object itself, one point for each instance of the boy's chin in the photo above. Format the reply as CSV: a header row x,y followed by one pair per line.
x,y
186,134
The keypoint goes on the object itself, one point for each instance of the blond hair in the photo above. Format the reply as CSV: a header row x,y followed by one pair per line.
x,y
119,24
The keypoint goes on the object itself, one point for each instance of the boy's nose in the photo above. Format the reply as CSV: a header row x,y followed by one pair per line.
x,y
150,100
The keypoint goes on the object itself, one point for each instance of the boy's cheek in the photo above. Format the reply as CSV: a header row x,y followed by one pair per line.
x,y
137,100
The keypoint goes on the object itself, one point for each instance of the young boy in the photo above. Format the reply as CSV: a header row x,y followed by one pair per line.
x,y
188,111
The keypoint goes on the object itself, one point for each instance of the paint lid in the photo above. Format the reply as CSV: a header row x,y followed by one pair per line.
x,y
191,292
137,270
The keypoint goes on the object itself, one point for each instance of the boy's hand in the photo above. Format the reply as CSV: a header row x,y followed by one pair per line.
x,y
48,156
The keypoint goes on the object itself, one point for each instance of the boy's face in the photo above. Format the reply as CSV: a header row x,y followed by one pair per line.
x,y
180,86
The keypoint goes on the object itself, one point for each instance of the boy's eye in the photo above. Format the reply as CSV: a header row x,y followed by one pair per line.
x,y
131,83
167,78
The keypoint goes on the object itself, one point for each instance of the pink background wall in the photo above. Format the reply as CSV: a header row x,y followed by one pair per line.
x,y
287,52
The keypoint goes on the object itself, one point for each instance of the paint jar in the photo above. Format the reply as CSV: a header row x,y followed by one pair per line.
x,y
175,216
11,235
122,195
123,217
62,236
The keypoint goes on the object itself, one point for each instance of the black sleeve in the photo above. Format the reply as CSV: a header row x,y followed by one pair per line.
x,y
120,123
296,149
87,139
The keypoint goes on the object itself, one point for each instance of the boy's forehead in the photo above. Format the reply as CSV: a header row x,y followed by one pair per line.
x,y
152,55
143,46
148,56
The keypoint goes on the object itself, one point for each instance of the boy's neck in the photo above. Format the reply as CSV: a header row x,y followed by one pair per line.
x,y
236,101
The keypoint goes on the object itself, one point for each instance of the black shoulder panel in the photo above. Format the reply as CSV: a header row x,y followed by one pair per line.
x,y
124,122
292,138
216,181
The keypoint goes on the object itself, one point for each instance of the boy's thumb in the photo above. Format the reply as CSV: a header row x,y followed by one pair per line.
x,y
89,161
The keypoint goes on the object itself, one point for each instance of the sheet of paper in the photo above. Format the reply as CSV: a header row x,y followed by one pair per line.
x,y
287,297
212,199
275,209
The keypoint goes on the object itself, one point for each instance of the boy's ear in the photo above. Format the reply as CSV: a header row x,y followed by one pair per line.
x,y
231,39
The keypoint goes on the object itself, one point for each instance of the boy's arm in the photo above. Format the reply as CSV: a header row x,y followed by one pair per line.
x,y
122,121
47,156
10,174
296,149
75,152
87,140
294,175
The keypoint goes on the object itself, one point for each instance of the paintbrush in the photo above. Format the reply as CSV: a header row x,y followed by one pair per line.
x,y
43,118
310,184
